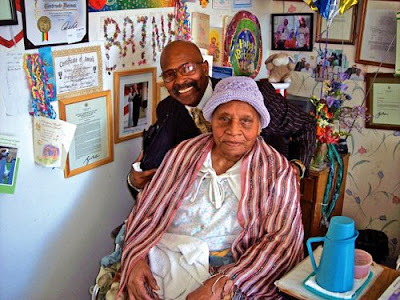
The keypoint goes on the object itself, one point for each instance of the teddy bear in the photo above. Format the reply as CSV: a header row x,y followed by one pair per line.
x,y
280,67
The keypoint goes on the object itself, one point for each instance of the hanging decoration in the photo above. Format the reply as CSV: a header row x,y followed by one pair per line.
x,y
111,41
130,40
182,20
171,32
328,9
243,45
143,42
42,92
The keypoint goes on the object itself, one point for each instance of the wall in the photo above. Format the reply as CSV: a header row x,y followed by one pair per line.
x,y
54,231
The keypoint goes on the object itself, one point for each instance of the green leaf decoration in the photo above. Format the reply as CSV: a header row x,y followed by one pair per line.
x,y
388,223
360,163
395,148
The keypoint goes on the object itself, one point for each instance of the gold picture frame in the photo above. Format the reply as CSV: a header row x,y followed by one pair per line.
x,y
78,71
382,101
376,42
92,145
341,31
135,101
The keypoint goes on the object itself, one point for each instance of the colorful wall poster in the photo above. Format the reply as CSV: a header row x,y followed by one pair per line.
x,y
215,45
9,162
200,29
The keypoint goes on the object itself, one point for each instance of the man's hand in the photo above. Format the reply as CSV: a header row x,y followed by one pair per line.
x,y
141,283
207,292
139,179
296,171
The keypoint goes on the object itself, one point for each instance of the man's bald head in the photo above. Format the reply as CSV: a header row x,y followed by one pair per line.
x,y
176,47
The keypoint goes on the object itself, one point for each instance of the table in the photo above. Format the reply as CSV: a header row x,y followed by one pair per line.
x,y
291,283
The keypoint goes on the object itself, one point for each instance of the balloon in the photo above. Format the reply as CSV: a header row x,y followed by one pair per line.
x,y
346,4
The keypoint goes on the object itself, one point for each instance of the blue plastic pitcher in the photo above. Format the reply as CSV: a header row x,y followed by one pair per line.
x,y
335,272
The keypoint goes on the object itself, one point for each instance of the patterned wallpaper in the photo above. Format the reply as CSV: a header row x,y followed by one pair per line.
x,y
372,191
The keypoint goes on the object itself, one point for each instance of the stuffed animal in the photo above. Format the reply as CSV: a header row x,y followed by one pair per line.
x,y
280,67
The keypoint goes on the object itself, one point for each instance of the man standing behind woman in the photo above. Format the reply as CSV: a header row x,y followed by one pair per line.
x,y
185,74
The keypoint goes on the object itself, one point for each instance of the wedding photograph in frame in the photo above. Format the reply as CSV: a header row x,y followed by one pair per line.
x,y
376,43
92,145
135,101
341,31
383,101
8,13
292,32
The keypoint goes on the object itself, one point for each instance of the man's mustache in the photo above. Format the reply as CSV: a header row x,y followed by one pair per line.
x,y
185,85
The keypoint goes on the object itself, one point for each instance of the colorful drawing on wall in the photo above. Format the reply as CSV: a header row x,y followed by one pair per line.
x,y
215,46
243,45
9,161
221,4
200,29
104,5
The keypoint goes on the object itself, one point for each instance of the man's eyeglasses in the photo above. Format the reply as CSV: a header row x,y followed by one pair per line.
x,y
185,70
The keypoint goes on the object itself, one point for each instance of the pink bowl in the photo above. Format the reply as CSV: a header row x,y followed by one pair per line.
x,y
362,264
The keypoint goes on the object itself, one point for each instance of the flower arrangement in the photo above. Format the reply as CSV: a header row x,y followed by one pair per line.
x,y
334,118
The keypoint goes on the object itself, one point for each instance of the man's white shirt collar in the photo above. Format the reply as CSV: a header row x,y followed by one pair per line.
x,y
205,98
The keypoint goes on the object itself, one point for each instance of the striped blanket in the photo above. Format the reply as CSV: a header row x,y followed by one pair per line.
x,y
271,242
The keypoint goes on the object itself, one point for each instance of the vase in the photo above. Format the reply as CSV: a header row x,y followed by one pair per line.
x,y
318,161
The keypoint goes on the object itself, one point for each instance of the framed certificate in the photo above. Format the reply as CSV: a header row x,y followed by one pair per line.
x,y
383,102
92,145
50,23
78,71
342,29
8,14
135,101
376,44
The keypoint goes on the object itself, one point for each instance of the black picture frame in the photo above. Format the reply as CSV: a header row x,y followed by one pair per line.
x,y
292,36
12,18
26,7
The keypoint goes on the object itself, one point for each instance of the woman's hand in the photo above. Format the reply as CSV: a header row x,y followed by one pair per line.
x,y
215,288
141,283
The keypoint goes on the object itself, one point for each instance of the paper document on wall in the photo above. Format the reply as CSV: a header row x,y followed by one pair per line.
x,y
13,86
9,162
51,141
397,67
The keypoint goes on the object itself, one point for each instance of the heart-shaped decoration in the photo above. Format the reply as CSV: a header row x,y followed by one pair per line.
x,y
11,35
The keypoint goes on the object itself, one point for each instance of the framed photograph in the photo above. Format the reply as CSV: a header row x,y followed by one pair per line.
x,y
292,32
8,13
342,29
135,100
54,23
92,145
78,71
383,101
376,44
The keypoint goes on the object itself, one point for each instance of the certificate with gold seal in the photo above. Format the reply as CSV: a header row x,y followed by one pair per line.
x,y
54,22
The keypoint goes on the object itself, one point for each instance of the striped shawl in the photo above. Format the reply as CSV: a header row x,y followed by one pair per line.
x,y
271,242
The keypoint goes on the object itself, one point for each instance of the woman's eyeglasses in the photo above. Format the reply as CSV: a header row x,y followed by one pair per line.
x,y
185,70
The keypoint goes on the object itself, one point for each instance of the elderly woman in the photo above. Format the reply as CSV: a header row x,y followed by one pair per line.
x,y
225,196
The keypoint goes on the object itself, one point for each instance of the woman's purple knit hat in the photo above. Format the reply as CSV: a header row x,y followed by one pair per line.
x,y
237,88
